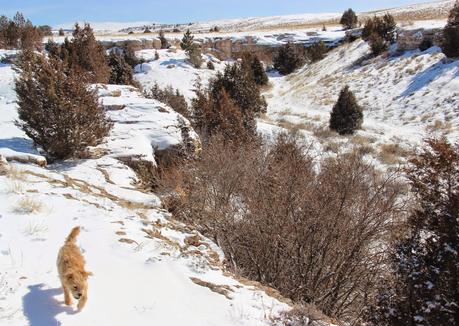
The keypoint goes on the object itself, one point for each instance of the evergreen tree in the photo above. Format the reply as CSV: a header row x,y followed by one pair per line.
x,y
450,44
164,42
56,109
346,116
384,26
89,54
187,41
377,44
61,32
423,286
259,73
380,32
317,51
254,68
194,56
288,59
349,19
231,98
121,72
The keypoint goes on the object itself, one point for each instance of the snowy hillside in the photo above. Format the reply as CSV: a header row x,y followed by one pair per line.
x,y
147,268
425,11
405,97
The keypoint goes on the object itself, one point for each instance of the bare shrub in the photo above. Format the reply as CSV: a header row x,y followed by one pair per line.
x,y
312,234
391,153
305,315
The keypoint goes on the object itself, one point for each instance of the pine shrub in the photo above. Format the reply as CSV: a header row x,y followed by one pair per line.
x,y
234,89
346,116
85,55
450,44
380,32
164,43
349,19
316,52
121,72
377,44
20,33
288,59
55,107
187,41
195,56
171,97
255,66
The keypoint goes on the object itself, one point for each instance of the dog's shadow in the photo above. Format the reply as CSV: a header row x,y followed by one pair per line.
x,y
41,308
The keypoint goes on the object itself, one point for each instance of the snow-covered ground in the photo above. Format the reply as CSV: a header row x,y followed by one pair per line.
x,y
145,272
173,69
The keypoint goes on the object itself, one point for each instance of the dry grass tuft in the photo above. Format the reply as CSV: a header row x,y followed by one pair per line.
x,y
27,205
15,173
391,153
34,228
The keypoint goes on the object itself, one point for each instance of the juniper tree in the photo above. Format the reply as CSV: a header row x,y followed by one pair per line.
x,y
346,116
422,287
56,109
288,59
450,44
259,73
187,41
121,72
164,42
349,19
194,56
380,32
317,51
236,86
85,55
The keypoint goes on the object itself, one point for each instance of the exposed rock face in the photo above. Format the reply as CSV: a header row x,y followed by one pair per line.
x,y
411,39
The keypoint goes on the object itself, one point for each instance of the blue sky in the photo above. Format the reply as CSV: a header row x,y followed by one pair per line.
x,y
54,12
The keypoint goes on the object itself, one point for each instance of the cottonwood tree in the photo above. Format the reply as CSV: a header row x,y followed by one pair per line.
x,y
56,109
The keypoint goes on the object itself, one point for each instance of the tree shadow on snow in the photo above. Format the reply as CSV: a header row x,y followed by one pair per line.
x,y
41,308
427,76
22,145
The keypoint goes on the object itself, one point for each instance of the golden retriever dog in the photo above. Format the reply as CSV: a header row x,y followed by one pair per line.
x,y
70,265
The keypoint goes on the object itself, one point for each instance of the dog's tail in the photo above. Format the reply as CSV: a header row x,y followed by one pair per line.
x,y
73,235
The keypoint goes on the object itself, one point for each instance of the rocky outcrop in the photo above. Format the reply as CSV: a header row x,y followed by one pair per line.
x,y
412,39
